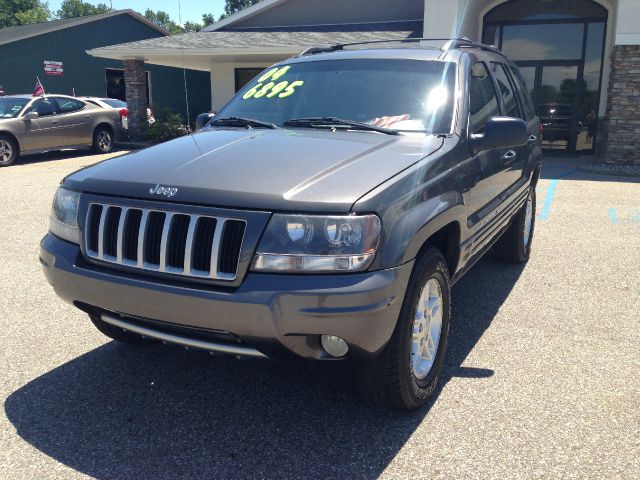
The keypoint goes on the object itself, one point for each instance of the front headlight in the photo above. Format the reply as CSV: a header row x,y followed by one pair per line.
x,y
63,221
318,244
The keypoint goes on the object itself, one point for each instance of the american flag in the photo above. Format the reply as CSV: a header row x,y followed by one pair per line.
x,y
39,89
387,121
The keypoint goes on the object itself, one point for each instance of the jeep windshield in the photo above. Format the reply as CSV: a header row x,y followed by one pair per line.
x,y
390,95
11,106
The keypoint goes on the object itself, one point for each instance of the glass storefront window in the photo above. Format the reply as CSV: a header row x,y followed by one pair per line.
x,y
558,46
524,10
543,42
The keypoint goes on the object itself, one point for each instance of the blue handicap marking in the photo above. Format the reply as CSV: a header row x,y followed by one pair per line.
x,y
623,216
548,200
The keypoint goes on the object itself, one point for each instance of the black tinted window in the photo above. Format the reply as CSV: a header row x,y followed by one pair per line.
x,y
68,105
523,92
483,101
506,90
43,107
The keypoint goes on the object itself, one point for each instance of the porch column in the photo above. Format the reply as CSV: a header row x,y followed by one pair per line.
x,y
136,90
623,136
441,20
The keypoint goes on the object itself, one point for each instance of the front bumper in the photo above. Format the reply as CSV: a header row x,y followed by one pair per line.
x,y
278,315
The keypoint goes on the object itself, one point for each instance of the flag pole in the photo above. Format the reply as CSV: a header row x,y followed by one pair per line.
x,y
43,90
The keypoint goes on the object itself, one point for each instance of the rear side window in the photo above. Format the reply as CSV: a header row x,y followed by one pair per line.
x,y
483,101
527,105
505,85
115,103
43,107
68,105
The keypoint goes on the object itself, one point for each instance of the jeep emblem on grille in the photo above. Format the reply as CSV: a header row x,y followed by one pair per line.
x,y
166,191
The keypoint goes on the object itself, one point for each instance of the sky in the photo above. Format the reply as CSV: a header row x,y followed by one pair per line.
x,y
192,10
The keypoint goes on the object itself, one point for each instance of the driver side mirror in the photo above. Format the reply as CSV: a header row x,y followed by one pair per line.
x,y
31,116
502,132
203,119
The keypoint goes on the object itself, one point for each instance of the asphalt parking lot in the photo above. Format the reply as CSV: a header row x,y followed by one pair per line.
x,y
541,378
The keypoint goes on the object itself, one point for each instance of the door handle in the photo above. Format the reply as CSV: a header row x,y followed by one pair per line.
x,y
88,116
54,121
532,138
509,157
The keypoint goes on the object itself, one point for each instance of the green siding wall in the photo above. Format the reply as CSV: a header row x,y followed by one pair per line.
x,y
22,61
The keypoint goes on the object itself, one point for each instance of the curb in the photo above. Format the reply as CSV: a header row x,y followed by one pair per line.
x,y
632,171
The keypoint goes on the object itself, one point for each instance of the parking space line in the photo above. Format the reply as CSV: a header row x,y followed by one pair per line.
x,y
551,193
613,216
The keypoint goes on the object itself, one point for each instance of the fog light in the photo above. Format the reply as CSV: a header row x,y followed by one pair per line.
x,y
334,346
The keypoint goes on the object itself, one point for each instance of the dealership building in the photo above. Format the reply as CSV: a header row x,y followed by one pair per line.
x,y
55,52
580,58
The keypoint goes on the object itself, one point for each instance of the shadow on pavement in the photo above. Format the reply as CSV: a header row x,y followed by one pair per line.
x,y
161,412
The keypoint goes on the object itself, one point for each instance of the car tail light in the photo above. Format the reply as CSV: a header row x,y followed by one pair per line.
x,y
124,112
541,129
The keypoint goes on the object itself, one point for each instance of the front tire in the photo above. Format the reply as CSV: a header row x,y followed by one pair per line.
x,y
102,140
406,373
515,244
118,334
9,151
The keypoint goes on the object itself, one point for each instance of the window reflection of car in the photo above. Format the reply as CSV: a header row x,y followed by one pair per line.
x,y
556,119
34,124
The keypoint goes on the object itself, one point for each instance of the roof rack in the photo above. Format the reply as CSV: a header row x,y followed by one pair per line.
x,y
450,44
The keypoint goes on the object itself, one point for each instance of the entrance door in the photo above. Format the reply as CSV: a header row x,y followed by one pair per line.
x,y
555,90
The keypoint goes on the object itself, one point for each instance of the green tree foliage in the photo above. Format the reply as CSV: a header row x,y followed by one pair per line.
x,y
190,27
208,19
23,12
234,6
78,8
163,19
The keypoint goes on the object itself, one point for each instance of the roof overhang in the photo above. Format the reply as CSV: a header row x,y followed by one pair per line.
x,y
197,59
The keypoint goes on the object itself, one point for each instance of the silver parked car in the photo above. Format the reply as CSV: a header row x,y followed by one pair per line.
x,y
34,124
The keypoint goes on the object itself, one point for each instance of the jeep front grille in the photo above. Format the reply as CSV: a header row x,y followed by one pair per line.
x,y
183,244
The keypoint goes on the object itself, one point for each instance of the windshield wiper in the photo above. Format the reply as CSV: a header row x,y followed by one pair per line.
x,y
324,122
241,122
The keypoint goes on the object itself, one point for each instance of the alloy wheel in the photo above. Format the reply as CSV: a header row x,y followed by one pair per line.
x,y
104,140
6,151
427,328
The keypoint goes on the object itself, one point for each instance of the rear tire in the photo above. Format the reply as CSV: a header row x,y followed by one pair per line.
x,y
102,140
406,374
118,334
9,150
515,244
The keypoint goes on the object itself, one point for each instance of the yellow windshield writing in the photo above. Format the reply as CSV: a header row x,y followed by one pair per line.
x,y
269,87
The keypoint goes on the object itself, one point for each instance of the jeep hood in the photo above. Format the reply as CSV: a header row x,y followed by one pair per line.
x,y
297,170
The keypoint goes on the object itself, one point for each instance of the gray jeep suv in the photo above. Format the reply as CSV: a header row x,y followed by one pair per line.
x,y
324,213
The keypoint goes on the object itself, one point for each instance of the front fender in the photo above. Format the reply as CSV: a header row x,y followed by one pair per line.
x,y
407,236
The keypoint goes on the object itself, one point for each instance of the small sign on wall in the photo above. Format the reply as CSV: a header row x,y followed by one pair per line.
x,y
53,68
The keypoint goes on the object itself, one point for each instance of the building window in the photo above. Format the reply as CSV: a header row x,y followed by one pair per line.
x,y
116,85
245,75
